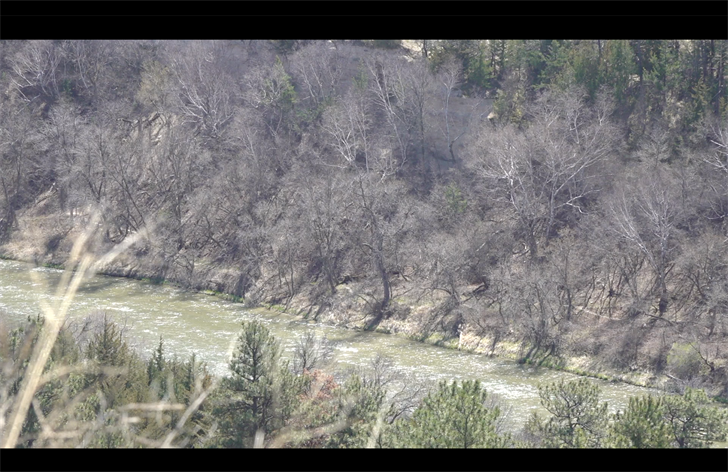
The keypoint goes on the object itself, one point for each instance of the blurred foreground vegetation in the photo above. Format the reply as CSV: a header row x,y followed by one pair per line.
x,y
98,392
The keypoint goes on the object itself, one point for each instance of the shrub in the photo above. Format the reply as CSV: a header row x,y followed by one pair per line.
x,y
684,361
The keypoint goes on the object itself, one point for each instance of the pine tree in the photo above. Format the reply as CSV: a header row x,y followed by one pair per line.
x,y
455,416
156,371
112,356
259,394
577,419
108,347
692,422
359,405
642,425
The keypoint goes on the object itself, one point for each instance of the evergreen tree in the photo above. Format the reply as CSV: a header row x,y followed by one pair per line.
x,y
692,422
477,69
619,67
642,425
585,66
260,393
118,367
455,416
684,421
359,406
577,419
107,347
156,372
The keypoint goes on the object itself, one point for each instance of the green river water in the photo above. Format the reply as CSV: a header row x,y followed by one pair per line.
x,y
195,322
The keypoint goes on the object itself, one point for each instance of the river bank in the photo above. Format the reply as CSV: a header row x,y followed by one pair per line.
x,y
352,315
499,308
590,345
204,324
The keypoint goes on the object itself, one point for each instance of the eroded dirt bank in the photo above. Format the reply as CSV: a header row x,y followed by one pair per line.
x,y
426,316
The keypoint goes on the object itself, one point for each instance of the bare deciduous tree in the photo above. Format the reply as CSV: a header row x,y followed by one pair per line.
x,y
348,124
269,90
318,67
450,77
646,216
381,223
389,90
325,207
544,173
91,62
35,69
311,352
21,158
205,91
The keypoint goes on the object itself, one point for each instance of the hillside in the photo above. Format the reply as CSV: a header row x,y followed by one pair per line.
x,y
548,200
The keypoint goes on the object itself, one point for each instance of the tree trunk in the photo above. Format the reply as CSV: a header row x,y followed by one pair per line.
x,y
663,297
379,262
532,245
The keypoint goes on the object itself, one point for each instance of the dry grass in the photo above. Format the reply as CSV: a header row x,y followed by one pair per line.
x,y
82,264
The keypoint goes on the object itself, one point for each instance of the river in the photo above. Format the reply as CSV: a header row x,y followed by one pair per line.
x,y
204,324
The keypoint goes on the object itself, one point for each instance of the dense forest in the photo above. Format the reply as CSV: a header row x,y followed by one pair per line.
x,y
569,198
